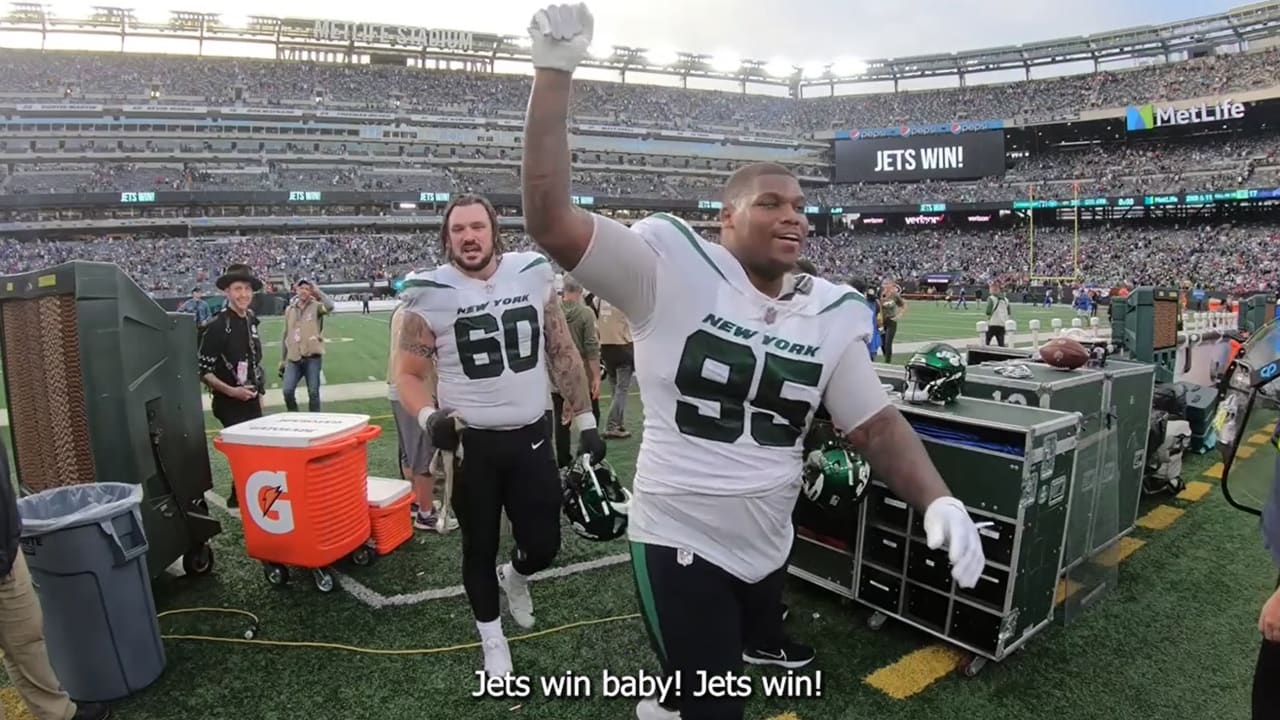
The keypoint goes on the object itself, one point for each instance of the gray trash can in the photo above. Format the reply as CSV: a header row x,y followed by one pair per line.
x,y
87,553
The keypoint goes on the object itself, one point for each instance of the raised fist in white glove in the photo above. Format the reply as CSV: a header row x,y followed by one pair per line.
x,y
946,522
561,35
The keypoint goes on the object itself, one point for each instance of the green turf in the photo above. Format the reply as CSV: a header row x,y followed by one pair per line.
x,y
1177,639
357,350
358,344
930,319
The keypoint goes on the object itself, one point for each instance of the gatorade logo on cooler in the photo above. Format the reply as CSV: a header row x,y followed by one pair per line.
x,y
265,492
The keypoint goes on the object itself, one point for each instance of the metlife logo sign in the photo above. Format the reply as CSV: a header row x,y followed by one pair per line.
x,y
1149,117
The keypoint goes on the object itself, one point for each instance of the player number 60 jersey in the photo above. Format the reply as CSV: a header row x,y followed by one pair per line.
x,y
490,360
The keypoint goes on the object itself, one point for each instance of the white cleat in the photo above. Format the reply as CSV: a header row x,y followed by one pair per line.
x,y
649,709
519,602
497,657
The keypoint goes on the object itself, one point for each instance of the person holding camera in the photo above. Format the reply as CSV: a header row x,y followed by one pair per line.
x,y
302,348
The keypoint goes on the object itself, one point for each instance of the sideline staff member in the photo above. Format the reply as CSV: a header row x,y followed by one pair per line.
x,y
302,347
582,325
892,310
231,354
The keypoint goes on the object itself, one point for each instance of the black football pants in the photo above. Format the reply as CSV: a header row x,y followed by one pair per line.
x,y
699,617
515,471
1266,682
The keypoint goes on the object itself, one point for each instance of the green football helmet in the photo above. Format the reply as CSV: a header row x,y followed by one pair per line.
x,y
835,478
935,374
595,502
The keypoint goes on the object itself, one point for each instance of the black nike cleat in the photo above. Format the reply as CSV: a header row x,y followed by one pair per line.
x,y
791,656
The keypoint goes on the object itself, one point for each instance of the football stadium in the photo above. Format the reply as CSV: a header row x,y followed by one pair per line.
x,y
1067,282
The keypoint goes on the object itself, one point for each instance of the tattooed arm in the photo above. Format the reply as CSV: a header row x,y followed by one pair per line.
x,y
565,363
415,374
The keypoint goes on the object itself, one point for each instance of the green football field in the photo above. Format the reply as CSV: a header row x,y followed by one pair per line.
x,y
396,640
357,350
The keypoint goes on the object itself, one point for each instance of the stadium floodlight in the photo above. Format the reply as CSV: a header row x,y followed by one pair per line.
x,y
69,10
27,12
725,61
661,56
846,67
154,16
780,67
601,49
262,23
814,70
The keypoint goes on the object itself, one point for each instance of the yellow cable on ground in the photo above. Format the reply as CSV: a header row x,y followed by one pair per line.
x,y
360,650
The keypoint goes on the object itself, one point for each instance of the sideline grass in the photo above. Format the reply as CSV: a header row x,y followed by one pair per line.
x,y
357,349
1185,613
1177,639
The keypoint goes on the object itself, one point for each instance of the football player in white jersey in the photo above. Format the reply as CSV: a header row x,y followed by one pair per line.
x,y
484,330
734,352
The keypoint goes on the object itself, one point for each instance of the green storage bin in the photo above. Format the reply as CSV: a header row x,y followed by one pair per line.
x,y
1010,466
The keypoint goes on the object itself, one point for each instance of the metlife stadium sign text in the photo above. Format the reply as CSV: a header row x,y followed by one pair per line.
x,y
1149,117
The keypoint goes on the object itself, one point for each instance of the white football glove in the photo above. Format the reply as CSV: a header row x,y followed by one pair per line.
x,y
561,35
946,522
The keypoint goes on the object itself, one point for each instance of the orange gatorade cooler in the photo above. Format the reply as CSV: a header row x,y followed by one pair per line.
x,y
390,513
300,478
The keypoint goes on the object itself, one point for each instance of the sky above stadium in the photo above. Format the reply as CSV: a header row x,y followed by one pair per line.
x,y
791,32
800,30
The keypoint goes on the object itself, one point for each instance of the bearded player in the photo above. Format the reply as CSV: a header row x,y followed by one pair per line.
x,y
484,330
733,356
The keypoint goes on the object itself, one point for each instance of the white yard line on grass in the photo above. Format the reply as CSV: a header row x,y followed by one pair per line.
x,y
458,590
377,600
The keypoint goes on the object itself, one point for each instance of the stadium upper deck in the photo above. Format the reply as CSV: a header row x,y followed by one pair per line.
x,y
349,65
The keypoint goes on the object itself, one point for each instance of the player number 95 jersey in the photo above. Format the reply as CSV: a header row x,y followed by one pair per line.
x,y
732,378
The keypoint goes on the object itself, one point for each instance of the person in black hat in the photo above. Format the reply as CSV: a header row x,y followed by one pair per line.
x,y
231,354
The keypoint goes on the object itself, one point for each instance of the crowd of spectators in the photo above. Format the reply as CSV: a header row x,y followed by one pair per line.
x,y
208,80
1221,256
1215,256
1114,169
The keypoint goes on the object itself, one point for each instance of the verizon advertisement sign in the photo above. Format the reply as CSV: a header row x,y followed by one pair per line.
x,y
924,219
962,156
